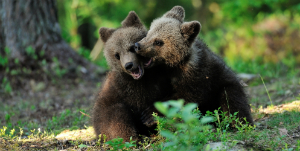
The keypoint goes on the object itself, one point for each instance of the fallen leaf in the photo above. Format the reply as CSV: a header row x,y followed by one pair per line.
x,y
283,131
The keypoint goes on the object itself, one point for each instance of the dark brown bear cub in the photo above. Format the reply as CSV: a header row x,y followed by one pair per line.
x,y
197,74
125,94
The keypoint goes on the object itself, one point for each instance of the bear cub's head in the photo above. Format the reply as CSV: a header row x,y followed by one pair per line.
x,y
169,39
119,46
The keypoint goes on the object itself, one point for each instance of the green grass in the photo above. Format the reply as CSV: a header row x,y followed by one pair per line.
x,y
287,67
270,138
65,120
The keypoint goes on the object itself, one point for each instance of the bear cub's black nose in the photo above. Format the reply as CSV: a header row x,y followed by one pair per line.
x,y
137,47
128,65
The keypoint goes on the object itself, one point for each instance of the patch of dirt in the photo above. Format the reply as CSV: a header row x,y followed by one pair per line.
x,y
281,90
296,133
39,101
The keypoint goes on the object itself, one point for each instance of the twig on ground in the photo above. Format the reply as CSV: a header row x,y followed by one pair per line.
x,y
85,114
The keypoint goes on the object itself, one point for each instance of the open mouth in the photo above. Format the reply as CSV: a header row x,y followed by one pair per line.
x,y
148,63
137,73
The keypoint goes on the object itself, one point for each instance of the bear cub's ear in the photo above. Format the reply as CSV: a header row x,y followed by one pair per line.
x,y
177,12
132,20
105,33
190,30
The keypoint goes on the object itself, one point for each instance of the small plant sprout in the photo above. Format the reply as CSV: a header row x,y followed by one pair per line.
x,y
3,130
266,90
12,132
82,146
21,133
99,140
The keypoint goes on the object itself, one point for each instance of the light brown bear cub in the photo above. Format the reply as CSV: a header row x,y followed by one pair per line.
x,y
125,94
197,74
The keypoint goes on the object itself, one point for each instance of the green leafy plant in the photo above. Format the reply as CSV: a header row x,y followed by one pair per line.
x,y
6,85
223,120
31,52
3,60
74,119
82,146
184,128
3,131
190,133
57,69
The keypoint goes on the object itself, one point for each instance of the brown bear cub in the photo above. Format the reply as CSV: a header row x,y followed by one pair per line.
x,y
196,73
125,94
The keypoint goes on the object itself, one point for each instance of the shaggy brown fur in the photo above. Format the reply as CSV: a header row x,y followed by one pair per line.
x,y
197,74
122,99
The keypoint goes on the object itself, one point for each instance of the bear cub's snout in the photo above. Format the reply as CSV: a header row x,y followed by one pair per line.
x,y
137,47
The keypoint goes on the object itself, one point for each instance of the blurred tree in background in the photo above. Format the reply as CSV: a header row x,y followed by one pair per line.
x,y
265,29
31,42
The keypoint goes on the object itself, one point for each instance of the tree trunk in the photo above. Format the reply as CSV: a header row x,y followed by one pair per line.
x,y
34,23
1,31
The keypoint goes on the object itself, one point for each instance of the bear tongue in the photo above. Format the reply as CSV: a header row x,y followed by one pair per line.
x,y
148,63
136,72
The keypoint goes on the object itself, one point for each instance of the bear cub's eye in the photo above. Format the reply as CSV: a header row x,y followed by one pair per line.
x,y
117,56
158,42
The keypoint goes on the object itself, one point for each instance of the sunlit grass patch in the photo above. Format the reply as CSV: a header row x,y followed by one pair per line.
x,y
82,134
278,128
293,106
12,140
64,120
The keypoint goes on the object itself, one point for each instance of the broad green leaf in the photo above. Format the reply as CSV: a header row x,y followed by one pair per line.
x,y
177,104
161,107
127,145
82,146
187,115
189,107
172,112
169,144
205,120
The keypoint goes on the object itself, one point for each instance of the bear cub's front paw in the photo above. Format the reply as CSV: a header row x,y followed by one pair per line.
x,y
147,117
